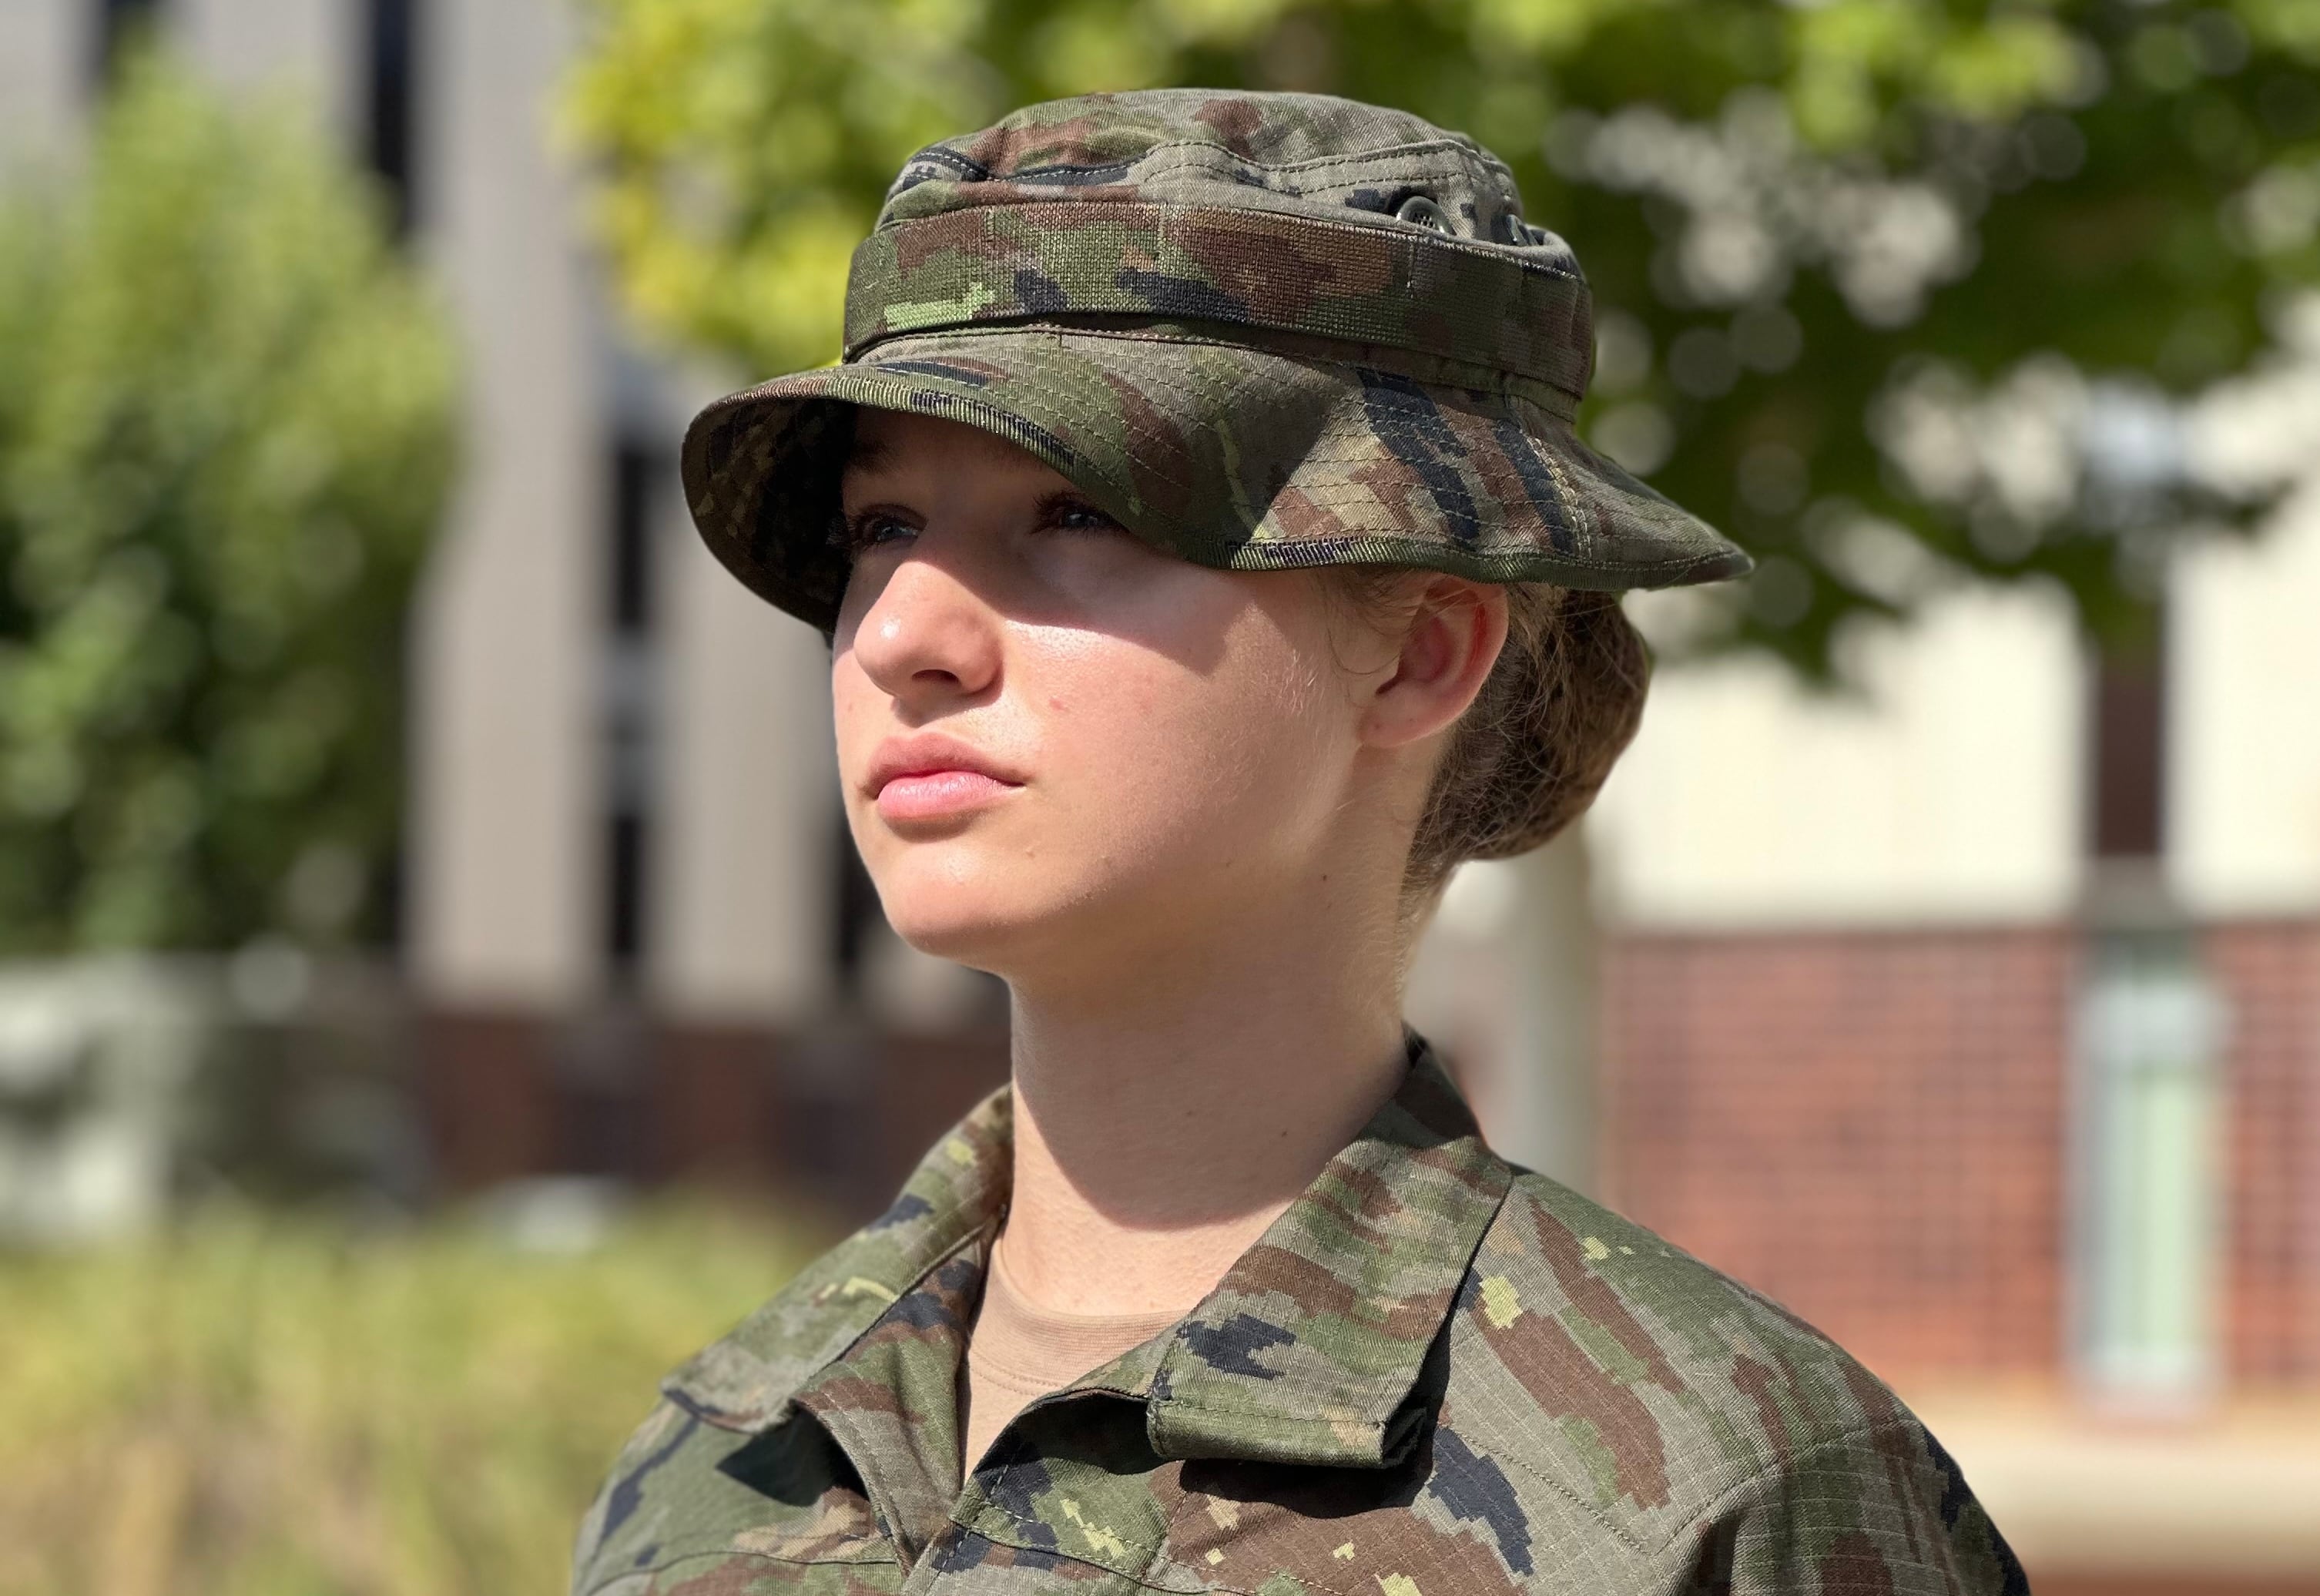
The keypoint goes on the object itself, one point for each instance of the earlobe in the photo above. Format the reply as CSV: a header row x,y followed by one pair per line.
x,y
1453,637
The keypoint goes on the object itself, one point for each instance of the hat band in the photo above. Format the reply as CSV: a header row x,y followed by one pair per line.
x,y
1268,269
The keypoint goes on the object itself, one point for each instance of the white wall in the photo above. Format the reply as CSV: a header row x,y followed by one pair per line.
x,y
1951,793
746,870
45,48
311,48
1504,984
506,849
2244,722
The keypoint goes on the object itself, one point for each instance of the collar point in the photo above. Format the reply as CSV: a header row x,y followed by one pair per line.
x,y
1183,1432
727,1388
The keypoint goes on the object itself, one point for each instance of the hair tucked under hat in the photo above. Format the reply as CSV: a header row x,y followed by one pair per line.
x,y
1531,752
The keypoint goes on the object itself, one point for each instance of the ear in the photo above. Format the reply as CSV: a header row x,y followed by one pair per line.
x,y
1444,654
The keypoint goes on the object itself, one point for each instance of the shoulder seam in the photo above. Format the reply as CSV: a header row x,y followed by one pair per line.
x,y
1737,1488
1593,1510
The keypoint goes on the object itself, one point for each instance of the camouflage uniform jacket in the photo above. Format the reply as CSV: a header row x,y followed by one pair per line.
x,y
1433,1375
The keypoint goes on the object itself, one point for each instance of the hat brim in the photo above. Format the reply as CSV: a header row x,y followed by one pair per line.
x,y
1231,456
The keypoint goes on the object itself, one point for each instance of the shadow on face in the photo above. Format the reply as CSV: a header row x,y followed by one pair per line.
x,y
943,498
1134,740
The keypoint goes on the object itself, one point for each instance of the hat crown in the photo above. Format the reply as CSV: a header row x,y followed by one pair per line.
x,y
1312,155
1257,216
1263,332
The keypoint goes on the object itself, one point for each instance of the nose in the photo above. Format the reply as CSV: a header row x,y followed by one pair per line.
x,y
927,637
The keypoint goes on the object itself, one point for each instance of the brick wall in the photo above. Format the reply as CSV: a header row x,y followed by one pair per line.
x,y
2270,978
834,1121
1868,1126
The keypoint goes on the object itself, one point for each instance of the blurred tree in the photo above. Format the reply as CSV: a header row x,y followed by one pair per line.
x,y
1890,289
225,430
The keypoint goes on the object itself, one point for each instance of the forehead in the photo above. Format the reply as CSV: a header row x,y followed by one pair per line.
x,y
888,442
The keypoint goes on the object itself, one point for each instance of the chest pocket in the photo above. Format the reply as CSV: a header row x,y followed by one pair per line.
x,y
1433,1526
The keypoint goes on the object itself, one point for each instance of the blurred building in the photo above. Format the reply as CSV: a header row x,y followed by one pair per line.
x,y
1978,1018
638,940
1976,1015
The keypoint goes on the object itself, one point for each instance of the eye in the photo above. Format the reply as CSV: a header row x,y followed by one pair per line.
x,y
1068,513
868,529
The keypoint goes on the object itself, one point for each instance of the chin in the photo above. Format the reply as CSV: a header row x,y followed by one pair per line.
x,y
996,918
965,917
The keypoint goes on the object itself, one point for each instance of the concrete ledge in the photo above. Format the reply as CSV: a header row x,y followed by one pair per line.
x,y
2223,1501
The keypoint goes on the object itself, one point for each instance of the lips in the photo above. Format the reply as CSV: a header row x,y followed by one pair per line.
x,y
931,777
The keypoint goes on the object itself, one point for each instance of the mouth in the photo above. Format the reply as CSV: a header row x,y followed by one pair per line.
x,y
929,777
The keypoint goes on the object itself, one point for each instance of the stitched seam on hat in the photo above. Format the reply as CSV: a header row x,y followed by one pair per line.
x,y
1481,250
1494,379
1380,357
1556,403
1469,377
1443,145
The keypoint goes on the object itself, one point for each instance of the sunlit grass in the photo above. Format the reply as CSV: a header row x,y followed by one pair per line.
x,y
261,1407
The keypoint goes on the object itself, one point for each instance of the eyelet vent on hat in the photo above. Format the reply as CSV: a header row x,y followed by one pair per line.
x,y
935,163
1427,214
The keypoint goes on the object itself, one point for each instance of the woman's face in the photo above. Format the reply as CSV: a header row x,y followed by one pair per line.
x,y
1058,743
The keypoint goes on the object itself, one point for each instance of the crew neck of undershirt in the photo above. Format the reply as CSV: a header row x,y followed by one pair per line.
x,y
1020,1351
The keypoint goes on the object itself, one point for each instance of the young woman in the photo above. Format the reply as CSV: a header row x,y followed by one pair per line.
x,y
1210,568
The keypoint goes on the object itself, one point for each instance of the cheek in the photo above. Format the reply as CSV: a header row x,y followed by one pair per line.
x,y
1156,754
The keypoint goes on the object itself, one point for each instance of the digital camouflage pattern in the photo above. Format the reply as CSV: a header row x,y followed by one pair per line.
x,y
1262,330
1433,1375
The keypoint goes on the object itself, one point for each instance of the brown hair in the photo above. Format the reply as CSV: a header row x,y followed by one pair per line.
x,y
1534,748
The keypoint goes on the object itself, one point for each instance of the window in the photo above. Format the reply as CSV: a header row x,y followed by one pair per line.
x,y
2149,1226
639,473
391,121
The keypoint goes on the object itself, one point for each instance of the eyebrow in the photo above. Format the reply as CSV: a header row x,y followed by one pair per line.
x,y
868,455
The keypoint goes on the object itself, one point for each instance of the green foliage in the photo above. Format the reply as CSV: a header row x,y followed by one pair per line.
x,y
225,431
1850,255
255,1407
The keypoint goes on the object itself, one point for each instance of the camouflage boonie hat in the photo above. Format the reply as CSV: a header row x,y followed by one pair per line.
x,y
1261,331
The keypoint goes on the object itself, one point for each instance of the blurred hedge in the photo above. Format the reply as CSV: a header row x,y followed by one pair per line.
x,y
227,426
259,1406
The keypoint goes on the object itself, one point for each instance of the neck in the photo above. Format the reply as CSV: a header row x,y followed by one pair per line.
x,y
1162,1123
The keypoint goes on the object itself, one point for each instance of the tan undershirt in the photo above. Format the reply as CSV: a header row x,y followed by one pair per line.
x,y
1019,1351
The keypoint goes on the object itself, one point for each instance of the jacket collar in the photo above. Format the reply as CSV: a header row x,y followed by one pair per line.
x,y
1307,1351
